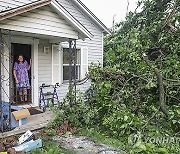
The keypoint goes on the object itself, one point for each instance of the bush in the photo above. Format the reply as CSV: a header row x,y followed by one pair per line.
x,y
80,114
121,123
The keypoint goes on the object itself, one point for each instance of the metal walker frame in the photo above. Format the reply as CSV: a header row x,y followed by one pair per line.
x,y
45,97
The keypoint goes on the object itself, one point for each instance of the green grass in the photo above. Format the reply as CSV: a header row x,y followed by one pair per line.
x,y
100,137
49,147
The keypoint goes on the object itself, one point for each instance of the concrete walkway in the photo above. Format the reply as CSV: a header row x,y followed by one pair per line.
x,y
84,145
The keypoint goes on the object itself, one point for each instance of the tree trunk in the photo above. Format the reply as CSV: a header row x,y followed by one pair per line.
x,y
160,84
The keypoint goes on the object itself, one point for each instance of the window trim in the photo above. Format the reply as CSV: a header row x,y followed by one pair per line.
x,y
79,65
52,53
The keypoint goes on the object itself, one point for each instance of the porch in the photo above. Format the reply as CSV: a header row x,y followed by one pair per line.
x,y
44,55
46,62
43,25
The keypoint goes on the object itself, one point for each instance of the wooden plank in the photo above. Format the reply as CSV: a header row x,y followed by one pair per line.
x,y
33,124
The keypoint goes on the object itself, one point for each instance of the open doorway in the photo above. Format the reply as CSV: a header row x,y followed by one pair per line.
x,y
25,50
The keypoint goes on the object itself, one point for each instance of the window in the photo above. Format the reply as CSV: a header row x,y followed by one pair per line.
x,y
60,63
66,64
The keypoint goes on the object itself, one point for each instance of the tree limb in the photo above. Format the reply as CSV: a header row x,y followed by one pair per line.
x,y
167,22
160,83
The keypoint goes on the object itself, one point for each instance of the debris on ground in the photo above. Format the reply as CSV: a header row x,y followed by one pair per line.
x,y
28,136
25,143
28,146
7,144
64,139
19,116
65,128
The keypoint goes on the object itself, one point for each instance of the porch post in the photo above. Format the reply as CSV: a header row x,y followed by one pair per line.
x,y
5,79
72,68
1,44
70,62
10,72
1,113
75,62
35,87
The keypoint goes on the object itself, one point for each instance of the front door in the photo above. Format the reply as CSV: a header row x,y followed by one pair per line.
x,y
25,51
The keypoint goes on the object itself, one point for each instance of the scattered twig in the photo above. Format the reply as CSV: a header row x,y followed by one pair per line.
x,y
150,118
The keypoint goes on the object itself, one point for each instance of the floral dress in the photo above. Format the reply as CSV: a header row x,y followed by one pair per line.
x,y
22,75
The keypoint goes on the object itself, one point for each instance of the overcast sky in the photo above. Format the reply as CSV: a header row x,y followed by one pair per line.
x,y
106,9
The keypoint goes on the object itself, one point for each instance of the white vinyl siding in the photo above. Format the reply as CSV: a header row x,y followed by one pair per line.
x,y
45,64
42,21
45,70
94,46
95,53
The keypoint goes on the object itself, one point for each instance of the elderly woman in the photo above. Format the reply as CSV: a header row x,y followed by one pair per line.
x,y
20,72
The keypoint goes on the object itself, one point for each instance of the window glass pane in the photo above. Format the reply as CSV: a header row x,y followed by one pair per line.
x,y
66,56
78,56
66,72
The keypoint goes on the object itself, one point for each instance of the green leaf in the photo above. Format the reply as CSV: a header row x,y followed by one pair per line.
x,y
162,150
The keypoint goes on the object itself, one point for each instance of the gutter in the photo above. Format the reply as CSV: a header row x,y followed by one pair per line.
x,y
23,9
85,9
71,19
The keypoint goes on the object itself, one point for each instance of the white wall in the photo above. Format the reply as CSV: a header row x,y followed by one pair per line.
x,y
44,21
45,71
95,45
45,64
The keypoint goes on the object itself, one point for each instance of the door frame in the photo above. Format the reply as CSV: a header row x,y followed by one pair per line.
x,y
34,68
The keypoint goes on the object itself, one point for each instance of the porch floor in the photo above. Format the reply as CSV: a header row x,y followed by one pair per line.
x,y
35,122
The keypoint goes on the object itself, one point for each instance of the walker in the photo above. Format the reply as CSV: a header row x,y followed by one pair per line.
x,y
45,98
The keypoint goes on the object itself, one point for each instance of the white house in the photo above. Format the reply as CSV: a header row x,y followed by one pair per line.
x,y
41,30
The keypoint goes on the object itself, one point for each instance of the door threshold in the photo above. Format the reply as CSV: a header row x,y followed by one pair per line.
x,y
26,106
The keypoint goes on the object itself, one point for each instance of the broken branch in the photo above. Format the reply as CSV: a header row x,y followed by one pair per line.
x,y
161,86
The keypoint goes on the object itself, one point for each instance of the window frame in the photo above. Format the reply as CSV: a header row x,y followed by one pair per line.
x,y
78,65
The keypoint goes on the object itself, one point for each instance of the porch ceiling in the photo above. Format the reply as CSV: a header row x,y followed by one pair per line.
x,y
51,39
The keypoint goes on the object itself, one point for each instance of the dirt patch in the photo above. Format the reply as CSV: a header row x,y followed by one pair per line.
x,y
65,127
7,144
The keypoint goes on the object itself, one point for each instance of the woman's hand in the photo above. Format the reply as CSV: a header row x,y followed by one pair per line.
x,y
15,77
29,67
30,62
17,81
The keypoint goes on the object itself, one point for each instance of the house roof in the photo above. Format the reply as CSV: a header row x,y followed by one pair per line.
x,y
22,9
33,4
59,8
91,15
10,4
